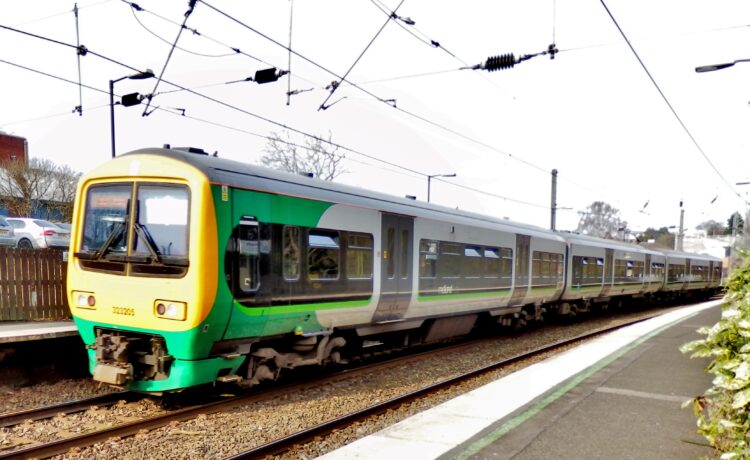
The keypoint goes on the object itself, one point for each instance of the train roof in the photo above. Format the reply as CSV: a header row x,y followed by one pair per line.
x,y
244,175
691,255
605,243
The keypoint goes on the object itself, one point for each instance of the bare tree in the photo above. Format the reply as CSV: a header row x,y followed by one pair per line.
x,y
26,188
602,220
64,192
317,156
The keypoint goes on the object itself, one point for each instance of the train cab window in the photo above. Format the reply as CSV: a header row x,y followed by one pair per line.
x,y
160,228
291,256
105,227
449,263
323,255
359,256
428,256
248,255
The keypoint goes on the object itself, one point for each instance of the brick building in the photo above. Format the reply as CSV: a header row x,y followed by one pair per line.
x,y
13,148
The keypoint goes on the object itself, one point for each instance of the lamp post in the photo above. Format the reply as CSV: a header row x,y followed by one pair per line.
x,y
429,180
746,204
713,67
138,76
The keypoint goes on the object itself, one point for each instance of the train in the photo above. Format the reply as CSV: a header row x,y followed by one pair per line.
x,y
187,269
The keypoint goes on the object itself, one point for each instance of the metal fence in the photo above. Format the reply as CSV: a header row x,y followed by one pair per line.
x,y
32,285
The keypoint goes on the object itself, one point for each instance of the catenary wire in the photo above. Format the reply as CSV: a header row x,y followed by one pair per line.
x,y
191,7
385,101
137,8
323,105
62,13
159,37
671,108
251,133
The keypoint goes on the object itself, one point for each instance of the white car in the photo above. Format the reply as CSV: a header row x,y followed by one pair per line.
x,y
7,233
38,233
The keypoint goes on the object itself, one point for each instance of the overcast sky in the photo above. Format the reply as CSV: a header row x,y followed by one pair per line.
x,y
592,113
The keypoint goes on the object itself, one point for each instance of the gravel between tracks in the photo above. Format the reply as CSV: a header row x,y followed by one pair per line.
x,y
14,399
223,434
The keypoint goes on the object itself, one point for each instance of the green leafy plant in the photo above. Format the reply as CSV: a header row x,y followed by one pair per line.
x,y
723,412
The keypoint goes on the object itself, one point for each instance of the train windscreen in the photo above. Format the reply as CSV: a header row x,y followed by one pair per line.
x,y
143,227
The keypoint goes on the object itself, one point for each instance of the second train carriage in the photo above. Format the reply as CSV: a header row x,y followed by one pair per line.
x,y
187,269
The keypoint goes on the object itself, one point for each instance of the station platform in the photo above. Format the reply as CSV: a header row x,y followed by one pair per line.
x,y
24,331
618,396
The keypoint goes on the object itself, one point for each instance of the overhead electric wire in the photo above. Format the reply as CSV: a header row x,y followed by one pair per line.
x,y
73,82
282,125
137,8
62,13
413,31
435,44
671,108
135,16
323,106
385,101
191,7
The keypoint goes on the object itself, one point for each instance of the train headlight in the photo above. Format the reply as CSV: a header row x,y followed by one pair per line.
x,y
170,309
84,300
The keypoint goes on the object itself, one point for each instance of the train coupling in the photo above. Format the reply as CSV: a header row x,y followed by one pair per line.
x,y
113,374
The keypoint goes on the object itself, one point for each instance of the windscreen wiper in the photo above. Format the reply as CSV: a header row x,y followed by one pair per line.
x,y
118,228
144,235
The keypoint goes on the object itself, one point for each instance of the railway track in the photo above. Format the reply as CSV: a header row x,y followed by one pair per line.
x,y
287,443
280,445
40,413
61,446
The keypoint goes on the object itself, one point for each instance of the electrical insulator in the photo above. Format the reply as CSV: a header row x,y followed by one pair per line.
x,y
504,61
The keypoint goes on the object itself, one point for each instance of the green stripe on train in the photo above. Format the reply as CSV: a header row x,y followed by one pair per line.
x,y
300,308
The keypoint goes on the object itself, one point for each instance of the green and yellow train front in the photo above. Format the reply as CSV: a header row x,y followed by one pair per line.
x,y
143,275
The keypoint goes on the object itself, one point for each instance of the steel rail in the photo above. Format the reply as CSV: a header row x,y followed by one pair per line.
x,y
283,444
61,446
70,407
286,443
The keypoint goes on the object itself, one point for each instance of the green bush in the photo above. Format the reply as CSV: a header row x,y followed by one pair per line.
x,y
723,412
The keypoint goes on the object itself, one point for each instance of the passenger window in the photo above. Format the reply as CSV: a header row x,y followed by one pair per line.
x,y
404,249
492,263
428,255
450,260
291,253
323,255
390,269
248,254
359,256
472,261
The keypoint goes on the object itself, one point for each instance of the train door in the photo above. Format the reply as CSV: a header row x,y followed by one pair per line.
x,y
647,272
395,267
609,271
521,272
